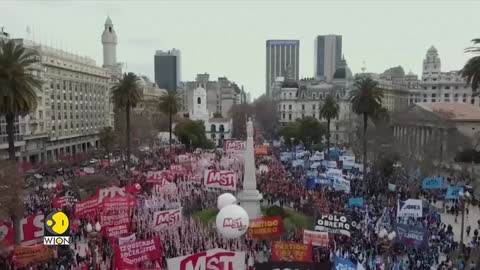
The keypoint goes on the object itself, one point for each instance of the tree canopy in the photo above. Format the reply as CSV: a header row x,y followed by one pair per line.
x,y
192,134
266,117
471,70
307,130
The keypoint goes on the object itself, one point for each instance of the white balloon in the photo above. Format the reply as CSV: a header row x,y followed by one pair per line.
x,y
89,227
232,221
225,199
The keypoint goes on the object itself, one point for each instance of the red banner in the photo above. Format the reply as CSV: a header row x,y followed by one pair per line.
x,y
24,256
220,179
180,169
59,202
211,259
291,252
112,219
261,150
267,227
129,254
155,177
166,219
315,238
88,207
119,203
118,230
234,146
6,234
31,230
165,187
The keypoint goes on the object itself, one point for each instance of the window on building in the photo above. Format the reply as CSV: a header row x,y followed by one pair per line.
x,y
283,115
446,95
303,115
284,96
289,116
314,95
199,100
284,106
434,87
303,107
472,101
313,107
289,106
290,95
314,116
434,100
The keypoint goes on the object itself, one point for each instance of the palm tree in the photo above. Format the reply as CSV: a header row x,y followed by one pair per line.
x,y
126,94
366,98
329,111
169,104
107,140
471,70
17,86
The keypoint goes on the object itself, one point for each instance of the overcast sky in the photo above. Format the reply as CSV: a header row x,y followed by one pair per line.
x,y
227,38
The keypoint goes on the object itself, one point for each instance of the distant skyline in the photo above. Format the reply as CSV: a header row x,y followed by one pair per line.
x,y
228,38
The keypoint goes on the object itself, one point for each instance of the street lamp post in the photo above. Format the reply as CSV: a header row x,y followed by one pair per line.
x,y
463,198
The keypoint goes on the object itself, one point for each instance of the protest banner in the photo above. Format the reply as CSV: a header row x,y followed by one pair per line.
x,y
291,252
31,255
137,251
261,150
334,223
355,201
234,146
411,235
294,266
119,203
118,230
113,218
453,192
432,183
155,177
165,187
31,230
211,259
126,239
6,234
319,239
344,264
88,207
167,219
267,227
221,179
410,208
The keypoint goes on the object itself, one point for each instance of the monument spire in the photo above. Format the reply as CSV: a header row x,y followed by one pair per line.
x,y
250,196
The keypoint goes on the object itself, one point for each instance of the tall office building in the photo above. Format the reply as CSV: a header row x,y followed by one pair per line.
x,y
328,54
282,61
167,69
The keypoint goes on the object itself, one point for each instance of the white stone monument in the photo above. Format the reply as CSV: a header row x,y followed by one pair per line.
x,y
250,197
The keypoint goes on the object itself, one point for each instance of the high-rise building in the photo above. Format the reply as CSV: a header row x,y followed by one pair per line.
x,y
328,54
167,69
282,61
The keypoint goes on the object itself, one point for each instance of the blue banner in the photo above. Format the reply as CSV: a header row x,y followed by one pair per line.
x,y
453,192
355,201
432,183
298,162
311,183
411,235
343,264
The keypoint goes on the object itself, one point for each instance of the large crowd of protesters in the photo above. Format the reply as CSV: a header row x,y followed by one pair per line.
x,y
282,185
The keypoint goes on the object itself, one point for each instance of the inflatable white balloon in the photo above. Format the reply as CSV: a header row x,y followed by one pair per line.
x,y
225,199
232,221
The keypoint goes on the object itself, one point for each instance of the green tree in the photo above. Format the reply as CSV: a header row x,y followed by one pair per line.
x,y
107,141
240,114
266,115
17,86
330,110
307,130
169,104
11,195
126,94
366,98
192,134
471,70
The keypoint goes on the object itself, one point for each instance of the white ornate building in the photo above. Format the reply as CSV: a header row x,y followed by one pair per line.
x,y
305,98
73,104
217,129
438,86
